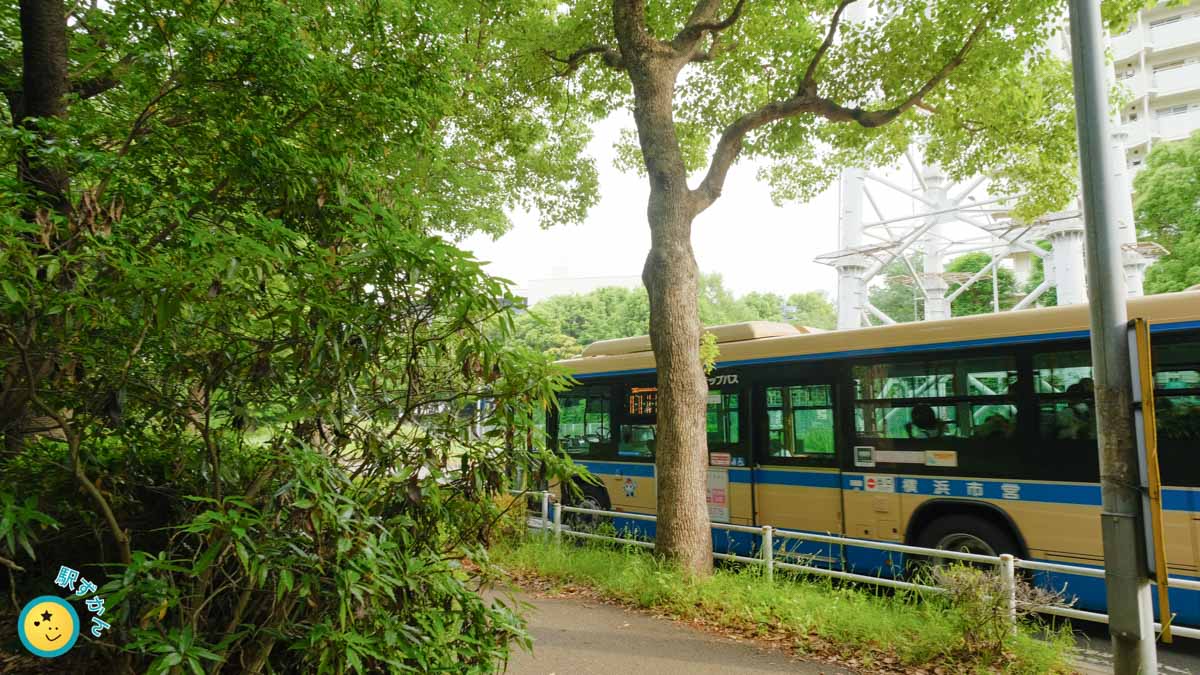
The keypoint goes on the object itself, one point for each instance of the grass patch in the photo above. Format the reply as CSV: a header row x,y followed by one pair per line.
x,y
879,631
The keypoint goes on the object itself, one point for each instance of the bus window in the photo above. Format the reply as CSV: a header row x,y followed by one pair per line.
x,y
584,421
993,421
905,421
1062,382
889,400
799,421
722,418
1177,391
635,438
963,398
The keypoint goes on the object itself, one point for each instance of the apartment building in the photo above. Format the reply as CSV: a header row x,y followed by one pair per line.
x,y
1157,60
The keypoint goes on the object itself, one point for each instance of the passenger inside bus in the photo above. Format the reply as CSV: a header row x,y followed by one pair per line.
x,y
924,423
997,425
1077,420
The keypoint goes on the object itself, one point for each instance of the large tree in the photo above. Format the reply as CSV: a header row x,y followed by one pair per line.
x,y
796,85
1167,207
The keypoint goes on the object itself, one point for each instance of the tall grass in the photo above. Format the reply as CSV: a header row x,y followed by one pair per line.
x,y
889,630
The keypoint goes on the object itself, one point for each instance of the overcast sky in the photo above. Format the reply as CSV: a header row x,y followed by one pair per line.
x,y
753,244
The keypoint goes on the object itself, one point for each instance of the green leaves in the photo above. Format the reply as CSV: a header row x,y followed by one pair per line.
x,y
259,332
10,291
1167,209
20,523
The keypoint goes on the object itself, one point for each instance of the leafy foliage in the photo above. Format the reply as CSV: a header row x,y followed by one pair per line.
x,y
761,58
899,296
1167,208
900,301
239,366
563,325
978,298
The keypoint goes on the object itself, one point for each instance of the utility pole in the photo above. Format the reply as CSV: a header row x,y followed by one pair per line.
x,y
1125,570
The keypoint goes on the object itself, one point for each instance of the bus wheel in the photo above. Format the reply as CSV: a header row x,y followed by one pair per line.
x,y
586,521
965,534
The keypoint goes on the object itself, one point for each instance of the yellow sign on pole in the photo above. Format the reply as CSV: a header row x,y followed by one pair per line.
x,y
1144,383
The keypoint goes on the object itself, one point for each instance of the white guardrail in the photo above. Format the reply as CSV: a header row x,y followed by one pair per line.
x,y
1006,563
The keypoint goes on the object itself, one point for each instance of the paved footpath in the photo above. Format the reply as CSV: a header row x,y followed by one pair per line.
x,y
576,636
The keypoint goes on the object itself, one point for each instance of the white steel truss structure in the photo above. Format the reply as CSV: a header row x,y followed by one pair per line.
x,y
944,221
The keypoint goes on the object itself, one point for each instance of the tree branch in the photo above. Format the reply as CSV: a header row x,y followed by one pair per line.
x,y
93,87
119,534
609,55
873,118
701,22
730,145
808,84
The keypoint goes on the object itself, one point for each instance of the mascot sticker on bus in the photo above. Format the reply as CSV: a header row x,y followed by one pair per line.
x,y
630,487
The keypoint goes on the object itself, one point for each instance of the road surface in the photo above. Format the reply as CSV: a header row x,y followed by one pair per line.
x,y
573,635
1180,658
577,635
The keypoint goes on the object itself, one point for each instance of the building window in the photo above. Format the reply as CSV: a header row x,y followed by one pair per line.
x,y
1171,111
1166,21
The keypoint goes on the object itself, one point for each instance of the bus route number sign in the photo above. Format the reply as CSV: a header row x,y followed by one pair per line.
x,y
643,401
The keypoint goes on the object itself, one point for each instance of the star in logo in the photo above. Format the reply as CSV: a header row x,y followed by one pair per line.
x,y
45,616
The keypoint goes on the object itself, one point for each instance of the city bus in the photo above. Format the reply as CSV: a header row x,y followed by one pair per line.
x,y
974,434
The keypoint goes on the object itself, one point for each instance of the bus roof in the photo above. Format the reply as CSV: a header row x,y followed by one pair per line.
x,y
725,333
761,342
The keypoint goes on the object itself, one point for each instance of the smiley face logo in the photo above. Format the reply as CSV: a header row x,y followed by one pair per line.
x,y
48,626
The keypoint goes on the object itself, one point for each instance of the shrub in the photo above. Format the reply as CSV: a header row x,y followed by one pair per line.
x,y
981,608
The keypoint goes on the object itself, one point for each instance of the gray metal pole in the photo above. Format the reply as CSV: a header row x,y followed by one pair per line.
x,y
1128,586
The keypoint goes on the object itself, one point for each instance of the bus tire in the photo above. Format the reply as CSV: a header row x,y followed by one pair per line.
x,y
966,533
593,497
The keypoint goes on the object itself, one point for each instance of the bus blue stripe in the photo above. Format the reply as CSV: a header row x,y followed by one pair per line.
x,y
1175,499
984,342
635,470
821,479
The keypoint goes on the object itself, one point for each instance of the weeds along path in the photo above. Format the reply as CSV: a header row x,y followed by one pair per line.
x,y
578,634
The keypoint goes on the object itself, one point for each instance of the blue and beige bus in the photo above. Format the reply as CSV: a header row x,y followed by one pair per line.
x,y
975,433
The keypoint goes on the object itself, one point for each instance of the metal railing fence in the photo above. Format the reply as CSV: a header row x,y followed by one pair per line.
x,y
1005,563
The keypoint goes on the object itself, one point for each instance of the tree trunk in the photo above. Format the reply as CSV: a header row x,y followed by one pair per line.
x,y
672,281
44,85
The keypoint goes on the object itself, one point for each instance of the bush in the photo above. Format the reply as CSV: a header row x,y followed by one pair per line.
x,y
981,608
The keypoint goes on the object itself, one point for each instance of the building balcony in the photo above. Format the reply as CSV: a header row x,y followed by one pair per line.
x,y
1177,34
1127,45
1176,80
1135,134
1135,85
1176,127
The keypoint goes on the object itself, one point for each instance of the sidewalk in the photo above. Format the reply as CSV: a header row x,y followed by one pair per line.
x,y
574,635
